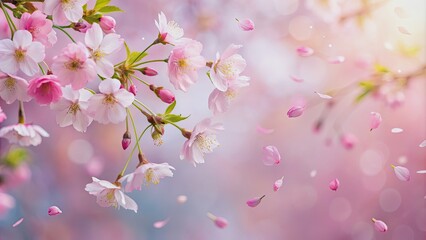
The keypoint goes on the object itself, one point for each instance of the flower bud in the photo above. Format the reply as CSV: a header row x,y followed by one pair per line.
x,y
165,95
304,51
53,211
148,71
255,201
133,89
379,225
295,111
82,27
246,24
107,24
401,173
127,139
334,185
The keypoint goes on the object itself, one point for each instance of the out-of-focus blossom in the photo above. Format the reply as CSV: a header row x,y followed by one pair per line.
x,y
255,201
45,89
73,66
182,199
401,173
271,156
328,10
227,67
109,194
220,222
219,101
64,12
23,134
397,130
169,32
403,30
295,111
15,176
334,185
183,63
380,225
2,115
202,140
278,184
13,88
304,51
100,47
161,224
110,105
391,92
7,202
39,26
21,53
246,24
375,120
72,109
53,211
336,59
107,24
348,140
147,173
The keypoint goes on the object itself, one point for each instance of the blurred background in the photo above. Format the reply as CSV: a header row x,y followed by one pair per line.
x,y
367,33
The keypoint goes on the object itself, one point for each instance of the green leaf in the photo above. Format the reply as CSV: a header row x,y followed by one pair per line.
x,y
127,49
135,57
101,3
110,9
15,157
85,7
174,118
170,108
93,18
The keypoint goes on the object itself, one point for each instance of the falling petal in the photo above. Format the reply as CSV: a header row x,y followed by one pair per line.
x,y
271,156
334,185
336,60
324,96
422,144
397,130
262,130
182,199
53,211
401,173
403,30
161,224
313,173
255,201
278,184
400,12
18,222
220,222
421,171
295,111
380,225
296,79
375,121
245,24
304,51
402,160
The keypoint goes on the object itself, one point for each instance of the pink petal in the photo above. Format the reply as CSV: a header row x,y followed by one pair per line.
x,y
246,24
296,79
295,111
278,184
421,172
271,156
376,119
220,222
336,60
18,222
334,185
422,144
262,130
161,224
380,225
313,173
53,211
324,96
403,30
304,51
401,173
255,201
397,130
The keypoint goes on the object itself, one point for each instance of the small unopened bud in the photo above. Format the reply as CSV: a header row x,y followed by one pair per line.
x,y
379,225
220,222
334,185
82,27
127,139
295,111
107,24
133,89
53,211
148,71
255,201
165,95
186,133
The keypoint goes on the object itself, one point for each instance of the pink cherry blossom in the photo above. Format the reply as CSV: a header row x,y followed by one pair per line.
x,y
202,140
304,51
220,222
147,173
45,89
219,101
227,67
53,211
110,105
21,53
23,134
107,23
109,194
169,32
380,225
101,46
278,184
348,140
7,202
64,12
72,109
401,173
39,26
74,67
255,201
246,24
271,156
183,63
13,88
375,121
334,185
295,111
2,115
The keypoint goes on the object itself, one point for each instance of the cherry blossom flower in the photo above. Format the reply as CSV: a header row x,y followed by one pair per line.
x,y
45,89
21,53
278,184
64,11
202,140
169,32
334,185
183,63
271,156
147,173
23,134
39,26
72,109
375,121
53,211
13,88
227,67
255,201
107,23
100,47
220,222
74,67
110,105
295,111
2,115
401,173
246,24
219,101
110,194
379,225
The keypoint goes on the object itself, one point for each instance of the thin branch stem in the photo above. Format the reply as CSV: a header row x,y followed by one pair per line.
x,y
65,32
